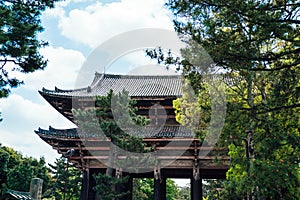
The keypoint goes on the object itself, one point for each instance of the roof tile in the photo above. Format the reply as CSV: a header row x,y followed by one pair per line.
x,y
137,86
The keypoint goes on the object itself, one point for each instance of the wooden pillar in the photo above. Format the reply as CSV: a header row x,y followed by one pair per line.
x,y
85,185
159,185
196,182
92,183
88,183
160,189
130,187
196,189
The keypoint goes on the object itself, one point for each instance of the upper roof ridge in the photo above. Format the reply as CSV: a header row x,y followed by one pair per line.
x,y
136,85
137,76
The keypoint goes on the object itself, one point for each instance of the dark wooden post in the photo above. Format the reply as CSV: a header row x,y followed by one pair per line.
x,y
91,193
160,189
196,189
130,187
196,183
85,185
159,185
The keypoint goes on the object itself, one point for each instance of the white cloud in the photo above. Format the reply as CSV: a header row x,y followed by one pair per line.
x,y
98,22
59,9
54,12
62,70
21,118
29,145
80,1
21,110
138,64
89,25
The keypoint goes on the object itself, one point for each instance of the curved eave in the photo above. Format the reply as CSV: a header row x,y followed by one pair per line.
x,y
64,103
145,132
70,94
64,93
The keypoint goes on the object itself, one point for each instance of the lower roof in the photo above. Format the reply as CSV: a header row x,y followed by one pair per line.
x,y
12,194
143,132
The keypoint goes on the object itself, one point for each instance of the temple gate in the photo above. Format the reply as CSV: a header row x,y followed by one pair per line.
x,y
178,150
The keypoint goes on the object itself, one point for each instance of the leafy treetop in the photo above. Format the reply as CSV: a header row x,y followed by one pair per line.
x,y
19,45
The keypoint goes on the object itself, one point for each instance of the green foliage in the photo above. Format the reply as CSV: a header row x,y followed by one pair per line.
x,y
18,38
204,111
66,180
193,110
243,35
17,171
275,141
184,193
212,189
143,189
256,44
19,44
20,176
106,186
112,117
171,190
4,156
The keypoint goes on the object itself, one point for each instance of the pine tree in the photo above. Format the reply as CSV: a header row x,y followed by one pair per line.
x,y
66,180
112,115
256,44
16,171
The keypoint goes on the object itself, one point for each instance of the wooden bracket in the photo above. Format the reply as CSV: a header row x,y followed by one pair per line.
x,y
118,172
157,173
83,163
196,170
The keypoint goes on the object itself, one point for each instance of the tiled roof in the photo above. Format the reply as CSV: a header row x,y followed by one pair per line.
x,y
144,132
61,133
19,195
137,86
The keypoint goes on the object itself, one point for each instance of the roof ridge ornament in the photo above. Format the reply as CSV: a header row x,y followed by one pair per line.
x,y
96,81
89,89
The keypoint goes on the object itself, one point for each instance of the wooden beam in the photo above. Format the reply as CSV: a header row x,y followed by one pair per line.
x,y
148,107
175,139
158,157
165,148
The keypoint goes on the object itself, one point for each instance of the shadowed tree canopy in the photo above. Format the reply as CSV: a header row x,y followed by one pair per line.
x,y
256,44
16,171
66,180
143,188
243,35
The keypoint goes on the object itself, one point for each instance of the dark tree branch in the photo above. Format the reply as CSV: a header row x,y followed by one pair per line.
x,y
279,108
9,60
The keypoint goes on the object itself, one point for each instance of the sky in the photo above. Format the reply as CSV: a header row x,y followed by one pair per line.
x,y
74,28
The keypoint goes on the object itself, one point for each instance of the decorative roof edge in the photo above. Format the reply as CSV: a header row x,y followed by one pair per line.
x,y
19,194
57,90
145,132
99,77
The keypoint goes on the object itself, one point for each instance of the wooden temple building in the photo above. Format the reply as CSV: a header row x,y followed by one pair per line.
x,y
179,153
